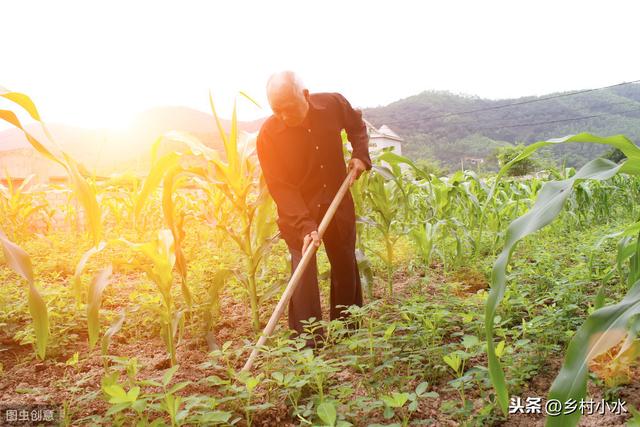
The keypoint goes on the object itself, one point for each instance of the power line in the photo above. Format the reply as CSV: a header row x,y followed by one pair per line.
x,y
591,107
557,121
497,107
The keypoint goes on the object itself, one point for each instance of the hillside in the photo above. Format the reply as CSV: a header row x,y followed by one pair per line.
x,y
431,128
429,122
105,151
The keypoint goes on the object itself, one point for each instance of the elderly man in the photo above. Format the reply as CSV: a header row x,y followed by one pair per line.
x,y
301,155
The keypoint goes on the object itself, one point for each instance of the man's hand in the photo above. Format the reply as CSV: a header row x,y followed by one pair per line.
x,y
357,165
311,238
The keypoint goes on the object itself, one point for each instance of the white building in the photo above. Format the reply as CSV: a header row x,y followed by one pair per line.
x,y
383,137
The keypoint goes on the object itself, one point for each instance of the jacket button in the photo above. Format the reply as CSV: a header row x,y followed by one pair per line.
x,y
324,185
317,148
321,166
318,205
309,130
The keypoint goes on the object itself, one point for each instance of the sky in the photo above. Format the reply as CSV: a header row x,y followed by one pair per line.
x,y
98,63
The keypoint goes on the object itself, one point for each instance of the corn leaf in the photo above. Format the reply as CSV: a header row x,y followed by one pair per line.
x,y
602,330
17,258
40,316
77,277
152,181
175,224
87,197
196,147
99,283
23,100
20,262
221,131
250,99
113,329
547,206
10,117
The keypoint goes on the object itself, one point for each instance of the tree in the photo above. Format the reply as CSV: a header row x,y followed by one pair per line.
x,y
614,155
523,167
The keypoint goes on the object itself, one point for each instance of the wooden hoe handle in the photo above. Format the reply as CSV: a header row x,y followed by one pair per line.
x,y
297,274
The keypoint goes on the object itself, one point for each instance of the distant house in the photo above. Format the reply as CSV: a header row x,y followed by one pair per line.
x,y
473,160
384,137
19,163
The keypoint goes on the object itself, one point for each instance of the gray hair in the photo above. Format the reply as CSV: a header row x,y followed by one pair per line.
x,y
285,79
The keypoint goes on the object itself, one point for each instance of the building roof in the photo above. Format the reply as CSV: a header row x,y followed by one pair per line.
x,y
383,132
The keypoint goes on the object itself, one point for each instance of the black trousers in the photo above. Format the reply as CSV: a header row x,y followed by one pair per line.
x,y
339,242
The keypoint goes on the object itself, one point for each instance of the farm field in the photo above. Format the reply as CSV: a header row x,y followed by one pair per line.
x,y
141,304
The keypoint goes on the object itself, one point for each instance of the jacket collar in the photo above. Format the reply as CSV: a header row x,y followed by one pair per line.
x,y
314,105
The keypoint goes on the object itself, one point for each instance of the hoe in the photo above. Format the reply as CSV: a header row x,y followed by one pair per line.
x,y
297,274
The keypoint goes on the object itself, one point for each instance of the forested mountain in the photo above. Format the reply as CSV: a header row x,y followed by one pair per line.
x,y
431,127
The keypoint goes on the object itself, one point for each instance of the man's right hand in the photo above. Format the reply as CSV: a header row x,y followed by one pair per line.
x,y
311,238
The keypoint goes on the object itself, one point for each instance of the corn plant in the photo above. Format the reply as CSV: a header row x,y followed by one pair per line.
x,y
98,285
158,259
605,327
83,189
117,196
243,184
425,237
385,202
247,215
20,262
19,206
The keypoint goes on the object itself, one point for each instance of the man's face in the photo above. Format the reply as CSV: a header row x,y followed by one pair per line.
x,y
290,107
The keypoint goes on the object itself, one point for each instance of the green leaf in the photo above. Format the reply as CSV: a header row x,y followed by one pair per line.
x,y
327,413
132,394
395,159
250,99
634,421
177,387
111,331
422,387
152,181
469,341
389,331
22,100
77,276
278,376
117,408
453,360
99,283
175,223
17,258
73,360
115,391
546,208
40,316
20,262
396,400
602,330
251,383
388,412
87,197
217,417
166,377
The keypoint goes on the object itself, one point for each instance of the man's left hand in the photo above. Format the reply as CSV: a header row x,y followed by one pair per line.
x,y
357,165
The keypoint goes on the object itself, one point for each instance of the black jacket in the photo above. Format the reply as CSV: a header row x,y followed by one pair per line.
x,y
304,165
